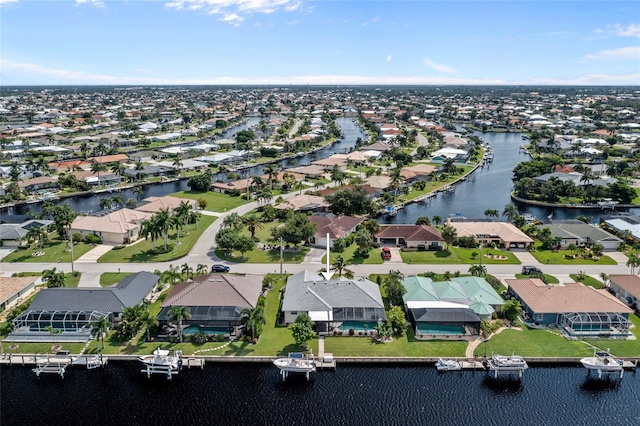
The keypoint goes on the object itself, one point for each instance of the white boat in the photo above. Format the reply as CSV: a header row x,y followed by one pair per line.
x,y
162,361
448,365
603,363
295,363
49,196
500,365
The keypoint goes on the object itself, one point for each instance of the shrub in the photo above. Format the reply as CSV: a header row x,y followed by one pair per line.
x,y
351,332
93,239
77,237
199,337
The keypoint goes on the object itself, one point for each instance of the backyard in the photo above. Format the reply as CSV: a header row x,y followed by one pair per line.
x,y
216,202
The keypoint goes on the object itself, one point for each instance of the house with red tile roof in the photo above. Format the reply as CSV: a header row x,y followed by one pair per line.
x,y
577,310
335,226
410,236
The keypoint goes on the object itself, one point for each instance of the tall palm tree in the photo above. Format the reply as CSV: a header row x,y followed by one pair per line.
x,y
253,319
179,314
253,222
163,218
340,265
177,222
139,170
491,213
449,235
99,328
511,212
151,229
36,234
182,210
84,149
118,169
138,190
96,168
232,220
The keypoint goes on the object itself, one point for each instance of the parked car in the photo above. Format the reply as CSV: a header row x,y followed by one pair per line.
x,y
530,270
219,268
386,253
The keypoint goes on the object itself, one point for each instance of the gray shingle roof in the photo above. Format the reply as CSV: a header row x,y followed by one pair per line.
x,y
307,291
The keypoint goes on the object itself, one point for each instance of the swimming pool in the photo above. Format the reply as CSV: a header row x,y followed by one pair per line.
x,y
192,329
358,326
440,329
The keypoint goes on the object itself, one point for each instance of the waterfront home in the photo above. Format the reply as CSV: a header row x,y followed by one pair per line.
x,y
304,203
71,310
149,171
241,186
96,179
155,204
65,166
15,289
214,301
421,237
418,172
109,159
626,288
39,183
380,146
503,234
577,310
339,304
453,308
334,226
580,234
185,165
119,227
444,154
329,163
630,224
13,234
380,183
312,172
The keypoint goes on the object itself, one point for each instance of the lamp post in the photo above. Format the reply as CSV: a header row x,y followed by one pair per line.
x,y
480,254
281,256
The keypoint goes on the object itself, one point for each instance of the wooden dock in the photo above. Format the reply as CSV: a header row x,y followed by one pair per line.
x,y
472,365
326,361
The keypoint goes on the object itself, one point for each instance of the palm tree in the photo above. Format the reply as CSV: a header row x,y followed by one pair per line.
x,y
171,275
253,222
437,220
118,169
100,328
177,222
163,218
150,229
147,320
183,210
187,271
84,149
491,213
139,170
511,212
179,313
177,164
340,265
478,270
36,234
105,203
201,269
449,235
138,190
53,278
253,319
232,220
97,168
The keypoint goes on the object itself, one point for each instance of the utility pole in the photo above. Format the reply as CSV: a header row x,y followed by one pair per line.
x,y
71,248
281,256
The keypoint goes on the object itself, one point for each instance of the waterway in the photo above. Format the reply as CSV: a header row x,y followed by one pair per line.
x,y
488,187
253,394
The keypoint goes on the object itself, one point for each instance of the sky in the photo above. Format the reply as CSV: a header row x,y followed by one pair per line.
x,y
333,42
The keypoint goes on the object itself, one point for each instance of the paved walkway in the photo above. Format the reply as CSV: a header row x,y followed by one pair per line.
x,y
526,258
473,345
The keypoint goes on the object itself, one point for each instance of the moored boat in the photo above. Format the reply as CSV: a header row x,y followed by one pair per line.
x,y
296,362
448,365
603,363
162,361
500,365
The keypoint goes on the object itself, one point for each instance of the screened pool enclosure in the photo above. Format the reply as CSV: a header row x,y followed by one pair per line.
x,y
63,321
598,324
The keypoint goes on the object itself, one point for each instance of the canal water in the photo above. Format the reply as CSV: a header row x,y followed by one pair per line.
x,y
253,394
487,188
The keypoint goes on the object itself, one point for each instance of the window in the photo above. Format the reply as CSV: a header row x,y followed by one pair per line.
x,y
294,313
539,317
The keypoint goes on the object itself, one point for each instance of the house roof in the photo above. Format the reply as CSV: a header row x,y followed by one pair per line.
x,y
542,298
235,290
410,232
335,226
13,231
417,170
109,158
303,202
129,292
307,291
579,229
119,222
503,230
155,204
469,291
630,283
11,285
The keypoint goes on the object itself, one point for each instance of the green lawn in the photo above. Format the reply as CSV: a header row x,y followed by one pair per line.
x,y
138,252
544,343
458,255
405,346
110,278
374,256
558,258
264,256
489,256
52,253
70,280
216,202
588,281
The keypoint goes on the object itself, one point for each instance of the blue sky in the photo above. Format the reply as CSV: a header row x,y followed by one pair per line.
x,y
160,42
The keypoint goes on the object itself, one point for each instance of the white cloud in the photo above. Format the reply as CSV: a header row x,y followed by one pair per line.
x,y
631,52
373,20
294,22
389,58
38,74
97,3
619,30
438,67
5,2
233,11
